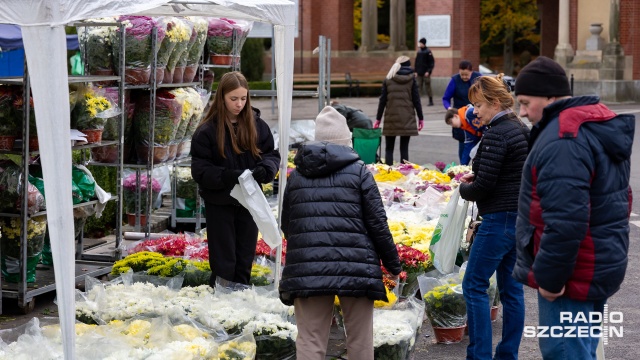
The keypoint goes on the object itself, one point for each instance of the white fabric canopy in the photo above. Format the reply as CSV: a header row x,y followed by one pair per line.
x,y
42,23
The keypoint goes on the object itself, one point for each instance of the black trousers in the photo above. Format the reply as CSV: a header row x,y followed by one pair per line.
x,y
390,143
232,237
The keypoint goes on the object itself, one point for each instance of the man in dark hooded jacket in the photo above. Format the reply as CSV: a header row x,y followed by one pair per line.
x,y
572,230
337,234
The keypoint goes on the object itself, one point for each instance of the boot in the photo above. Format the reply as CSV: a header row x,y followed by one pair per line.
x,y
430,101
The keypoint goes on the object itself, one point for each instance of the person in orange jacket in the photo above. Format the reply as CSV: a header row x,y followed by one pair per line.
x,y
464,119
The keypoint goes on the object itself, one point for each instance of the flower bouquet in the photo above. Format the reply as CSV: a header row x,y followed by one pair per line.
x,y
131,190
393,335
10,244
95,42
138,51
414,263
275,337
196,47
220,36
168,113
186,99
181,33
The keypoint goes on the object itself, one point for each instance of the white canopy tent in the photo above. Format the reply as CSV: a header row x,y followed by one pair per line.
x,y
42,23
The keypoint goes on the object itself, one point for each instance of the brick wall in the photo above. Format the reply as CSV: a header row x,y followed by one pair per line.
x,y
629,26
548,13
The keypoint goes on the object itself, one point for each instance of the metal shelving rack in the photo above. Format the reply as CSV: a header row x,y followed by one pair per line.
x,y
23,291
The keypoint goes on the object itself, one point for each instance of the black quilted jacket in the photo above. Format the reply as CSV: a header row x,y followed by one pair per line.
x,y
498,166
336,227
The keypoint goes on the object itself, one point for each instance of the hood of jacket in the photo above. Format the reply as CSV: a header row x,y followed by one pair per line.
x,y
321,158
614,132
404,75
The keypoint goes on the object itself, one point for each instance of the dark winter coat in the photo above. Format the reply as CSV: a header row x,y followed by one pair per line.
x,y
207,165
498,166
335,226
424,61
400,101
575,201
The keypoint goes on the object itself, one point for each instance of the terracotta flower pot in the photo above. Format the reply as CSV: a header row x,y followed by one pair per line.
x,y
173,151
103,72
105,154
449,335
159,75
131,219
94,136
494,313
137,76
190,73
178,75
184,149
160,154
215,59
168,76
7,142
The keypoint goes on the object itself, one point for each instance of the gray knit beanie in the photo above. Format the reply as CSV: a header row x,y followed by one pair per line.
x,y
332,126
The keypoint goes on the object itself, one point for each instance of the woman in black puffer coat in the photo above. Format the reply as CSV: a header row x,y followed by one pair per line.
x,y
337,234
494,185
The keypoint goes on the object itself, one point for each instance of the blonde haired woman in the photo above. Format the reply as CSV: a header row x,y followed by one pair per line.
x,y
494,185
401,98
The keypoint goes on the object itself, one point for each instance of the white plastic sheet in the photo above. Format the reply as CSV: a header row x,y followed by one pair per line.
x,y
249,194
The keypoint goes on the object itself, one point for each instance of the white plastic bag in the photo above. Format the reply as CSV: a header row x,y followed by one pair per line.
x,y
249,194
446,237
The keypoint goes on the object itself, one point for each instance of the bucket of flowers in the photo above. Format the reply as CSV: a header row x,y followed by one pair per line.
x,y
11,231
446,309
168,115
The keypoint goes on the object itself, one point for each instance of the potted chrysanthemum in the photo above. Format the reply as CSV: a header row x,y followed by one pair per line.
x,y
447,312
131,187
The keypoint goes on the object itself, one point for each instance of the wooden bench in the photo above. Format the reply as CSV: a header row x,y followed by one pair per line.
x,y
364,80
310,81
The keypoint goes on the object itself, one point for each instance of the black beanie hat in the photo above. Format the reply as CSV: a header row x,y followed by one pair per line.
x,y
423,41
543,77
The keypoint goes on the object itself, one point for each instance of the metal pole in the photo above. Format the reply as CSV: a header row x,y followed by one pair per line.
x,y
321,72
120,167
328,60
22,261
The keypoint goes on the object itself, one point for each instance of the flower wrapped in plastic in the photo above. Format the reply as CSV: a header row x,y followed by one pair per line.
x,y
196,46
445,304
187,99
11,190
95,42
220,36
165,48
11,249
415,263
181,32
131,188
168,113
395,329
198,99
93,109
138,52
275,337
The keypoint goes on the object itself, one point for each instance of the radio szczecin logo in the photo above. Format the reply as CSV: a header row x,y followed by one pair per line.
x,y
592,324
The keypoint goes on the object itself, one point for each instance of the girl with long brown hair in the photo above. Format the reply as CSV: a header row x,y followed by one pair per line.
x,y
231,138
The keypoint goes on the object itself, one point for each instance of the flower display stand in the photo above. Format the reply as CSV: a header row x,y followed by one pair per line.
x,y
449,335
7,142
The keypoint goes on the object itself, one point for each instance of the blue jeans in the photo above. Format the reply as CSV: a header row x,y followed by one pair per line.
x,y
460,151
567,347
493,250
